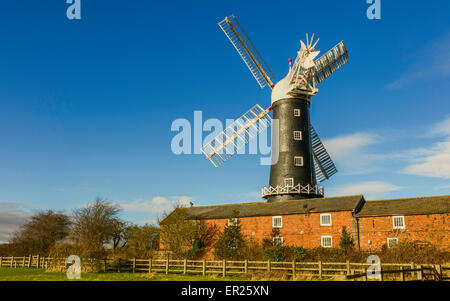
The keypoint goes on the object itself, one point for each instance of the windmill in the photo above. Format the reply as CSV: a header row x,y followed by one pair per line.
x,y
303,161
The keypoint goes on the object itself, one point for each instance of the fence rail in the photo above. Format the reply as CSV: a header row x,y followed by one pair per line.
x,y
348,270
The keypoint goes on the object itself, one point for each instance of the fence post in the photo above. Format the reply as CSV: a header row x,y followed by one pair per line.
x,y
224,267
167,265
246,266
29,260
204,267
293,268
320,269
38,261
1,261
185,266
268,266
134,265
11,263
119,265
412,268
348,267
150,265
23,262
439,271
381,271
402,274
420,273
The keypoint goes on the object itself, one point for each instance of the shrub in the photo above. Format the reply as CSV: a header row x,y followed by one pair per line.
x,y
231,243
346,242
284,253
252,250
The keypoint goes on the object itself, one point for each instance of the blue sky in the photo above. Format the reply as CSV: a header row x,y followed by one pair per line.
x,y
86,106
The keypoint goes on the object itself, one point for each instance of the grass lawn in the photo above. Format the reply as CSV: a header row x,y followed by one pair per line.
x,y
25,274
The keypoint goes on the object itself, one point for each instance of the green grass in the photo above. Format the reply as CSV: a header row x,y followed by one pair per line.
x,y
26,274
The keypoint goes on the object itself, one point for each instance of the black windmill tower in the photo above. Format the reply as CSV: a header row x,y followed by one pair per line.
x,y
299,159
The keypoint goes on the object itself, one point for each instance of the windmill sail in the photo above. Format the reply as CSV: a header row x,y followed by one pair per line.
x,y
323,165
237,135
328,63
247,51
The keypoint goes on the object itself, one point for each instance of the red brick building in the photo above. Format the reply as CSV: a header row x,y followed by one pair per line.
x,y
318,222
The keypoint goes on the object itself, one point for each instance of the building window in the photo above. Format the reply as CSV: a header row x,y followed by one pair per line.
x,y
297,135
232,221
392,242
325,219
278,241
289,182
398,222
277,222
296,112
327,241
298,161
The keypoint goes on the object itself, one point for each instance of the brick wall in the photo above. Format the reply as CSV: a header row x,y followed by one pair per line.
x,y
433,228
305,229
297,229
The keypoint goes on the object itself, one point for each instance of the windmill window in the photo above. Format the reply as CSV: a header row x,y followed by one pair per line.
x,y
296,112
398,222
289,182
298,161
325,219
232,221
277,222
326,241
297,135
278,241
392,242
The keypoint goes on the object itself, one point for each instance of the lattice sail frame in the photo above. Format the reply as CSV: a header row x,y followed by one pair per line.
x,y
328,63
244,46
307,78
323,165
237,135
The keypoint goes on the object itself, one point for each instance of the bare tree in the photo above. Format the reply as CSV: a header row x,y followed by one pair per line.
x,y
185,236
40,233
143,240
95,226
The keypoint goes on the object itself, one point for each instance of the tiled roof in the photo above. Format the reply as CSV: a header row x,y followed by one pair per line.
x,y
330,204
409,206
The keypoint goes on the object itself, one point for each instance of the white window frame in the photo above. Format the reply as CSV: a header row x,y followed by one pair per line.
x,y
298,158
390,239
232,221
322,238
321,221
298,133
402,218
289,179
297,113
278,238
273,222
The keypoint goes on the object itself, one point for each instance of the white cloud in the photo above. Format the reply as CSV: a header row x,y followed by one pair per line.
x,y
350,153
156,205
370,189
432,161
10,221
441,128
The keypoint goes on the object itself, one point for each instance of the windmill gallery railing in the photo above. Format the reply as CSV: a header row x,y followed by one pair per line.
x,y
294,270
299,188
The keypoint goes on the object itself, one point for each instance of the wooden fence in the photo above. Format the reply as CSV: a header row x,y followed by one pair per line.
x,y
347,270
